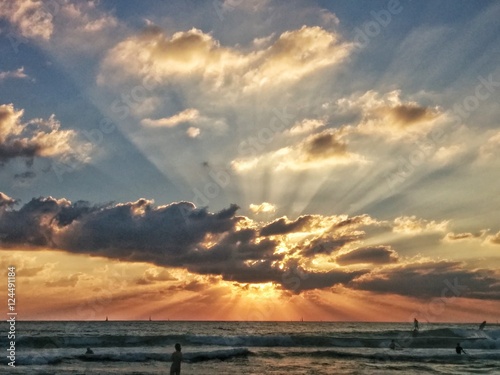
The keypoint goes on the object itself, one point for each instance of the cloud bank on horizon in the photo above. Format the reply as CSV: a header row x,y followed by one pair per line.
x,y
317,147
322,251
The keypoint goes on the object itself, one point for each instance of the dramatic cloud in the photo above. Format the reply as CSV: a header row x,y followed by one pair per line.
x,y
193,53
343,134
37,137
328,235
284,226
408,114
374,255
233,247
324,149
386,115
328,245
441,279
324,145
176,235
300,281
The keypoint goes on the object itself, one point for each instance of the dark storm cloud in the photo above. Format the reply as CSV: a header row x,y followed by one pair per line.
x,y
284,226
175,235
30,225
299,281
324,245
374,255
432,280
135,229
350,221
165,235
341,233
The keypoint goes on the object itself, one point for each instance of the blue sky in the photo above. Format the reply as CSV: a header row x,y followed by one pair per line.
x,y
351,142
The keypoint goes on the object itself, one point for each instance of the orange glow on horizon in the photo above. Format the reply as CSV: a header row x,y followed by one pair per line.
x,y
101,287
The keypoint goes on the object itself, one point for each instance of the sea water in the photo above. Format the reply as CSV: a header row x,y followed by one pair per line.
x,y
144,347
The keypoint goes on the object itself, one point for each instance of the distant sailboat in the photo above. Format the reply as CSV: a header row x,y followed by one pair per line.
x,y
150,318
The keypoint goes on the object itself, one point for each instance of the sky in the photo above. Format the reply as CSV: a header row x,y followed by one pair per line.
x,y
251,160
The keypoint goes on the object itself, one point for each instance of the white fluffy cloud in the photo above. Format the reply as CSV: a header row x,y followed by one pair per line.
x,y
327,148
39,19
32,18
18,74
387,115
306,126
197,55
37,137
188,115
264,207
414,225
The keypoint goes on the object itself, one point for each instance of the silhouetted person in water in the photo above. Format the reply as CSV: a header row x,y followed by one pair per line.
x,y
459,349
481,326
175,369
89,351
415,324
392,345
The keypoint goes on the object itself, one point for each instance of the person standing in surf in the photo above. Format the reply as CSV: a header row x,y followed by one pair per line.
x,y
175,368
459,349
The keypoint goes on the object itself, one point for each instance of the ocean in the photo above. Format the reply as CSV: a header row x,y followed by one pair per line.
x,y
144,347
